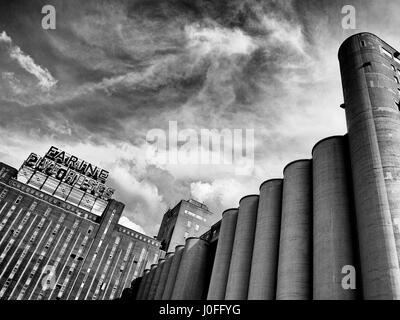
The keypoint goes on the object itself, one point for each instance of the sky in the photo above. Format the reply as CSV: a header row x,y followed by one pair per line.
x,y
113,71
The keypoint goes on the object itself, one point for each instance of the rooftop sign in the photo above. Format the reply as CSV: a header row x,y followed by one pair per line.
x,y
69,178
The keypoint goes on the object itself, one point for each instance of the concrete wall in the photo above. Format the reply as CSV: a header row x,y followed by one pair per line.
x,y
156,279
149,280
164,276
139,295
190,281
266,244
373,123
173,272
295,251
334,239
240,267
220,271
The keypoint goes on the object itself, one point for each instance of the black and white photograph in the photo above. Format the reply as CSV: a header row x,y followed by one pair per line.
x,y
191,157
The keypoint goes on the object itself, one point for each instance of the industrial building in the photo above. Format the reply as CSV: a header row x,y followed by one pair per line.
x,y
330,229
189,218
60,236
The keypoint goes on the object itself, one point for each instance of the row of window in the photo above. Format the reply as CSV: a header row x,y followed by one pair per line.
x,y
3,172
138,236
53,200
41,257
60,256
195,215
394,56
75,262
3,194
196,226
22,257
94,256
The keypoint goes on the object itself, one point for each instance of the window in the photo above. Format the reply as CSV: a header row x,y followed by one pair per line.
x,y
396,56
396,79
197,227
186,235
363,44
386,52
3,194
189,224
397,104
393,67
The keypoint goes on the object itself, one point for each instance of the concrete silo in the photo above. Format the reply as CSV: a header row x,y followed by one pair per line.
x,y
240,267
135,284
173,272
145,275
370,79
266,243
149,281
190,281
294,280
220,270
156,279
164,275
334,239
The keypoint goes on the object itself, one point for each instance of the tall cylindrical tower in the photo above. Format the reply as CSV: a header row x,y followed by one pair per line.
x,y
156,280
164,275
173,272
190,281
266,243
220,271
139,295
149,281
334,239
370,79
239,270
294,280
135,284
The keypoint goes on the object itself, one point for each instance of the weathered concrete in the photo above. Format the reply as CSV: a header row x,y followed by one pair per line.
x,y
239,270
295,252
190,281
164,276
373,123
173,272
264,263
139,294
135,284
220,270
156,280
149,281
334,238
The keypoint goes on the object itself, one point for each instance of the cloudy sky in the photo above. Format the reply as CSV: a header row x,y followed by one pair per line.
x,y
114,70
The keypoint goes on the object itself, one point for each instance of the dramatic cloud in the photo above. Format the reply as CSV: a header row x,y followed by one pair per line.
x,y
124,221
114,70
4,37
46,80
220,40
